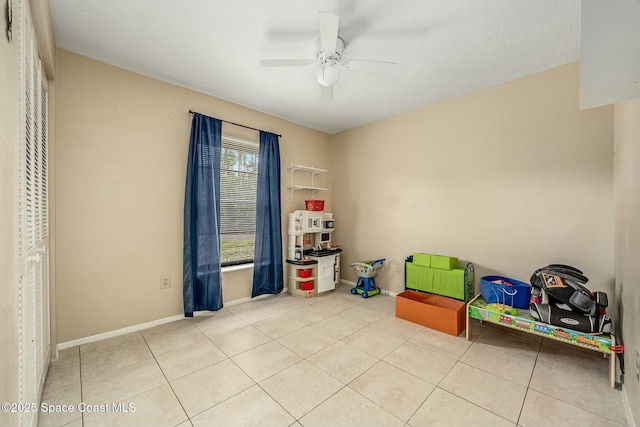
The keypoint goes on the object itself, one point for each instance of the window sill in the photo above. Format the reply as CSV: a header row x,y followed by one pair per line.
x,y
236,267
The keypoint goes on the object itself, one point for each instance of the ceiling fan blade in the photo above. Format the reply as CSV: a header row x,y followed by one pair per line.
x,y
370,66
286,62
328,31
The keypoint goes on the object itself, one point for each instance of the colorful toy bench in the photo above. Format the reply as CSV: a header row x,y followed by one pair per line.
x,y
520,320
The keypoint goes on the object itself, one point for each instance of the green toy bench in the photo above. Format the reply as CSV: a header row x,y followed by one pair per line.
x,y
441,275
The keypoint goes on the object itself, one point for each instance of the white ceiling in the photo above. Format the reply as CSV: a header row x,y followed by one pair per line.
x,y
444,48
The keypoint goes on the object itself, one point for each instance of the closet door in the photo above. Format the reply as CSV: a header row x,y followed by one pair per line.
x,y
33,227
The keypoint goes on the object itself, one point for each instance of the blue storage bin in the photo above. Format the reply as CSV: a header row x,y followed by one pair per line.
x,y
511,292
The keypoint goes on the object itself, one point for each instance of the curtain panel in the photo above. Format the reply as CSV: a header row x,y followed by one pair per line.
x,y
202,289
267,261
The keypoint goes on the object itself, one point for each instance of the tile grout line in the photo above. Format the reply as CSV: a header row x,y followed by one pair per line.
x,y
552,343
271,340
406,340
343,385
153,357
526,391
575,406
471,402
278,403
256,383
435,386
369,400
166,379
466,400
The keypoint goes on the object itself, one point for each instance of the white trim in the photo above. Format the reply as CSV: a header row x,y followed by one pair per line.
x,y
238,267
382,291
247,299
627,407
117,332
146,325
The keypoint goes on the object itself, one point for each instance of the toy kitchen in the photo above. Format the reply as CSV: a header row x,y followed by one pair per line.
x,y
313,262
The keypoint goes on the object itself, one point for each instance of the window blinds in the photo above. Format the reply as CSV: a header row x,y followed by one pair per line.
x,y
238,185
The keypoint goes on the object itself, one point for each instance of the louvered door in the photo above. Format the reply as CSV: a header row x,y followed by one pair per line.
x,y
33,214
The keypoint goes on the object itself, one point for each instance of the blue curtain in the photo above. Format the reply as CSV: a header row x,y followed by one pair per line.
x,y
267,260
202,286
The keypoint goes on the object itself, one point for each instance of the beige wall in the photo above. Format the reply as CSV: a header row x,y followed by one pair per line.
x,y
122,143
9,136
627,241
511,178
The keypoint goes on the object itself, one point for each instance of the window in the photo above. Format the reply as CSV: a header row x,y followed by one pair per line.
x,y
238,187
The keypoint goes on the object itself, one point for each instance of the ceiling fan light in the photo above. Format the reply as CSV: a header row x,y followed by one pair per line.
x,y
327,75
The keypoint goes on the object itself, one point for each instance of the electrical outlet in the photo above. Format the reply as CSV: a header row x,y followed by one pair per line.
x,y
165,281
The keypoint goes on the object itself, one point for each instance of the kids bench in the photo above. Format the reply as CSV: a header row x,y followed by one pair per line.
x,y
477,308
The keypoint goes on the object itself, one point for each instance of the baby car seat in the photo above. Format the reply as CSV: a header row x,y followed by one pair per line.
x,y
559,298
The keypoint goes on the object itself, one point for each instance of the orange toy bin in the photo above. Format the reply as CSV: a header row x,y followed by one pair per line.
x,y
433,311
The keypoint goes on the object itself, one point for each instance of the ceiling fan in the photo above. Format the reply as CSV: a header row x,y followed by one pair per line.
x,y
329,49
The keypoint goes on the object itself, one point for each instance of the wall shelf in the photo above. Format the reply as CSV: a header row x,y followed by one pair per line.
x,y
308,169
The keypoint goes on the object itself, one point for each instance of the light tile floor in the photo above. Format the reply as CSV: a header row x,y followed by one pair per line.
x,y
335,360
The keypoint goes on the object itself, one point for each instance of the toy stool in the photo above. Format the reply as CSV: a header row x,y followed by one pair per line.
x,y
366,271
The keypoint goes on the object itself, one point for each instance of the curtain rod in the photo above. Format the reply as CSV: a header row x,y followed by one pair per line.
x,y
235,124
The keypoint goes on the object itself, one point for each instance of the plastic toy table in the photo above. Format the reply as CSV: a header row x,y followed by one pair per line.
x,y
477,308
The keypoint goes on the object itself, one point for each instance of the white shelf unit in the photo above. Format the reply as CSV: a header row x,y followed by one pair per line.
x,y
309,169
294,283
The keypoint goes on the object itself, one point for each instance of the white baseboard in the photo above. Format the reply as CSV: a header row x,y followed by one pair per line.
x,y
627,408
141,326
117,332
382,291
347,282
